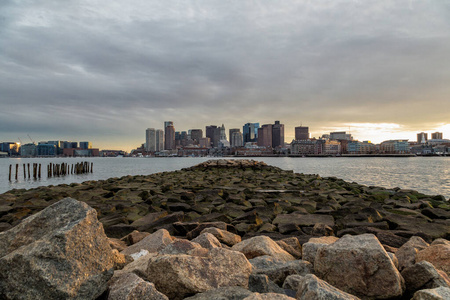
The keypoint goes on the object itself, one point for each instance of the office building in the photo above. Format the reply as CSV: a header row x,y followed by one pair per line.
x,y
250,132
46,149
150,140
265,135
223,135
436,136
196,135
301,133
85,145
340,135
28,150
169,136
422,138
205,142
213,133
277,135
236,139
159,140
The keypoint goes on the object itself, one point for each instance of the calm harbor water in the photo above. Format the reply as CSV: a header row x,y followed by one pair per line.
x,y
429,175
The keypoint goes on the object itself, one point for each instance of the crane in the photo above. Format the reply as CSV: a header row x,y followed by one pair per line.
x,y
31,139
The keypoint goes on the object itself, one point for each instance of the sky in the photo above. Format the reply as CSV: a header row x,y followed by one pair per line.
x,y
104,71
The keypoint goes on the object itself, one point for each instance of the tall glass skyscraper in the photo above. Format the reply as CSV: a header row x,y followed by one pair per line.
x,y
250,132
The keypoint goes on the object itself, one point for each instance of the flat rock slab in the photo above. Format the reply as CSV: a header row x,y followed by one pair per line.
x,y
303,220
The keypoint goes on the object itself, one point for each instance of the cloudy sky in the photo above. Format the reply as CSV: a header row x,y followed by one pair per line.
x,y
104,71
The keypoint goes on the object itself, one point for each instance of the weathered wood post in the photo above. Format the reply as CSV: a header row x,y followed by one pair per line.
x,y
24,172
17,171
10,167
39,171
29,174
92,167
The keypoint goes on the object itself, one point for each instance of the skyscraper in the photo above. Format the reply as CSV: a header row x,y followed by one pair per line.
x,y
436,136
159,140
301,133
265,135
213,132
250,132
422,138
236,138
277,135
223,135
150,140
196,135
169,136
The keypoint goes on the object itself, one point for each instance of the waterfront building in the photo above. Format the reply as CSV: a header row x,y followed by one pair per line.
x,y
357,147
46,149
307,147
277,135
150,140
159,140
301,133
340,135
10,147
436,136
213,133
169,136
332,148
265,135
422,138
85,145
28,149
395,147
236,138
250,132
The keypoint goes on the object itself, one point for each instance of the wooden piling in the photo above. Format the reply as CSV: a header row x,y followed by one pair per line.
x,y
39,174
17,171
10,167
29,174
92,167
24,172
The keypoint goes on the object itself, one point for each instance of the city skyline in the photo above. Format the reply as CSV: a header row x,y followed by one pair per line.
x,y
103,72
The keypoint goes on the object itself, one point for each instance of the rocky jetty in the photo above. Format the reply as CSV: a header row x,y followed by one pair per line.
x,y
224,229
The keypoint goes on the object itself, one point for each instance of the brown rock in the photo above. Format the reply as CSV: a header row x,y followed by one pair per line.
x,y
228,238
152,243
134,237
309,249
180,247
268,296
262,245
440,293
423,275
313,288
289,249
438,255
130,286
207,240
304,220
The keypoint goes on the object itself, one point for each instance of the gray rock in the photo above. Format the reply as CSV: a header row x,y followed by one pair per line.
x,y
180,247
223,293
359,265
438,255
313,288
304,220
130,286
226,237
292,282
309,249
423,275
440,293
268,296
260,283
60,252
180,275
406,254
277,270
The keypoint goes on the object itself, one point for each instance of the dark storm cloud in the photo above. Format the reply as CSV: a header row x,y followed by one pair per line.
x,y
114,68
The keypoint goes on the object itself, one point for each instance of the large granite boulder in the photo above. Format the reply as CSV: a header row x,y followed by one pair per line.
x,y
313,288
262,245
58,253
182,275
130,286
268,296
360,266
226,237
438,255
310,248
223,293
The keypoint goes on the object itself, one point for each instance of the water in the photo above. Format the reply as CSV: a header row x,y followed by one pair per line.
x,y
429,175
